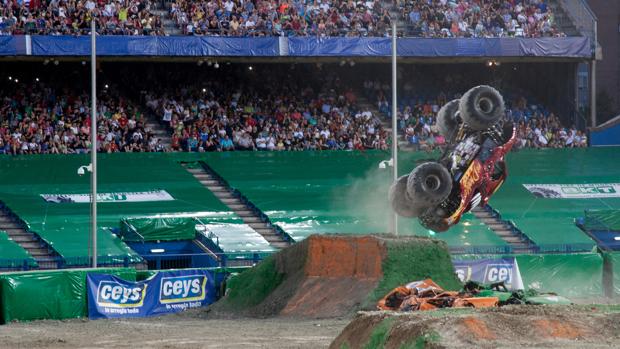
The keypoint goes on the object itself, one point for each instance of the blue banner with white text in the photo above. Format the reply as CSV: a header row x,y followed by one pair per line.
x,y
165,292
490,271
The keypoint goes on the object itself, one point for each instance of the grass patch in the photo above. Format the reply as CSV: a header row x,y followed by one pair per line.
x,y
424,341
415,260
380,334
252,286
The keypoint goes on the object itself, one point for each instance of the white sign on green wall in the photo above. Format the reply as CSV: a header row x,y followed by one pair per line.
x,y
575,191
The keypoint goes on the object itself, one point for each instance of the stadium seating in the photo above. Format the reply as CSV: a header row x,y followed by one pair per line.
x,y
65,225
12,255
551,221
316,193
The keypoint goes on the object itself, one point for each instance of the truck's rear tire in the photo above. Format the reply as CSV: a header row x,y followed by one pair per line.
x,y
429,184
399,199
432,222
447,122
481,107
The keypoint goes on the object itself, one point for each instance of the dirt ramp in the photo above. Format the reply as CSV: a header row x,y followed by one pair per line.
x,y
335,275
507,327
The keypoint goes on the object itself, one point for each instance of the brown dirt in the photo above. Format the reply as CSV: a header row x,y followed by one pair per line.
x,y
171,332
324,277
509,327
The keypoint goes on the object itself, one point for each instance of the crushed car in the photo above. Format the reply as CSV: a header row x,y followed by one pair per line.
x,y
471,167
427,295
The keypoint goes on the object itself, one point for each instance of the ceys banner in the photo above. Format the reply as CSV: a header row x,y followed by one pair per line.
x,y
489,271
163,293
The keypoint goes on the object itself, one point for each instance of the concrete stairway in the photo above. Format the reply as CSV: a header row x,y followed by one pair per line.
x,y
562,19
163,11
386,122
158,130
519,242
38,249
226,195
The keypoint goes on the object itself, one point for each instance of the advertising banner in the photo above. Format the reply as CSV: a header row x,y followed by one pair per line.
x,y
489,271
165,292
136,196
575,191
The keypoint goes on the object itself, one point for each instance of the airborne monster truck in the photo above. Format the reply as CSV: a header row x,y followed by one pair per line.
x,y
471,167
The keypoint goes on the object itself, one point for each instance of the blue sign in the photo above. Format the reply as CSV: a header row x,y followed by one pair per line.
x,y
489,271
165,292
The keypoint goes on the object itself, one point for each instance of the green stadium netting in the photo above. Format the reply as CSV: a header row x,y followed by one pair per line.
x,y
552,221
65,226
331,192
12,255
602,220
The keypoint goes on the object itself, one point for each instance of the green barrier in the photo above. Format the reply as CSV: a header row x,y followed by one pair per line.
x,y
66,225
614,258
578,275
552,220
331,192
569,275
158,229
602,220
12,255
58,294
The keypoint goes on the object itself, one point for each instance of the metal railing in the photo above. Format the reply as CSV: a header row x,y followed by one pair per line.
x,y
583,18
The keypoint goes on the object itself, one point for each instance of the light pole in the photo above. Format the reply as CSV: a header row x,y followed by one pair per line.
x,y
93,141
394,121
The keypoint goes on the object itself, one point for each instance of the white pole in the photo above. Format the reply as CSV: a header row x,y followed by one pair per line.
x,y
93,141
593,93
394,121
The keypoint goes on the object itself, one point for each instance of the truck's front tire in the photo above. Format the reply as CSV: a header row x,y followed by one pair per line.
x,y
399,199
429,184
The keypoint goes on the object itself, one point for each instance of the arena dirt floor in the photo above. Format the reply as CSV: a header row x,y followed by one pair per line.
x,y
508,327
174,331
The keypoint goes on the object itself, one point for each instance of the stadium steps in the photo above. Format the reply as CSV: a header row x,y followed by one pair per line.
x,y
562,19
519,242
386,122
158,131
18,232
248,213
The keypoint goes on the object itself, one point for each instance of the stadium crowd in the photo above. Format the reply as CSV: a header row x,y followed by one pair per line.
x,y
71,17
423,18
272,110
477,18
36,119
536,126
208,117
282,18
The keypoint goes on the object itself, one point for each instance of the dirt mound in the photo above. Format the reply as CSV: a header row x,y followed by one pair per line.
x,y
333,276
510,327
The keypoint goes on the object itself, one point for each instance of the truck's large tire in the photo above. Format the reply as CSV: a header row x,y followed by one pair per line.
x,y
447,122
429,184
434,223
399,199
481,107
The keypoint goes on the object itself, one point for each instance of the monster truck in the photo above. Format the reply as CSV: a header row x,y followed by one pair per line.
x,y
471,167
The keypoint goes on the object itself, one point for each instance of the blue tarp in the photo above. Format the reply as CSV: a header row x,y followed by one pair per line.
x,y
8,45
154,46
193,46
609,135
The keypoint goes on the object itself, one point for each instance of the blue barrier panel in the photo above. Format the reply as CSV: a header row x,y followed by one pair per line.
x,y
12,45
313,46
193,46
606,136
165,292
154,46
495,47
